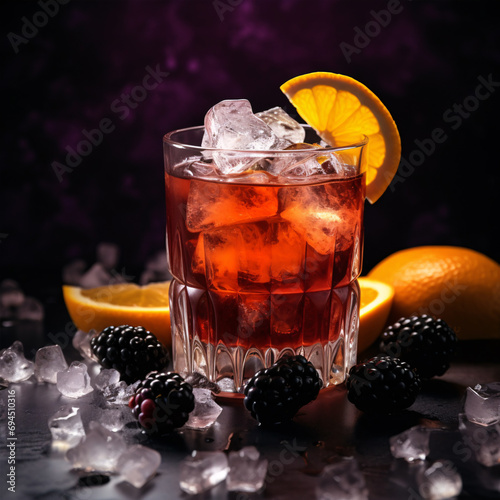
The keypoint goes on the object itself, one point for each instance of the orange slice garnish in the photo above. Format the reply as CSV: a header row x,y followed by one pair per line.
x,y
341,110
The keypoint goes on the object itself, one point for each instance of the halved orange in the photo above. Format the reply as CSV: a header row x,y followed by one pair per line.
x,y
342,109
121,304
376,302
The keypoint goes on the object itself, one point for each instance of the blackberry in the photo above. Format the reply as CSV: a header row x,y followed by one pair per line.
x,y
275,394
162,402
382,385
133,351
427,344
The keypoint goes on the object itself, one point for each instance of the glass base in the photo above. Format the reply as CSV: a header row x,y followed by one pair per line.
x,y
230,361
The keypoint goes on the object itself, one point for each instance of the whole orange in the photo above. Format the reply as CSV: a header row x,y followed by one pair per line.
x,y
457,284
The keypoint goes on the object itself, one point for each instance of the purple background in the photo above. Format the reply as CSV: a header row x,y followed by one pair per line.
x,y
66,78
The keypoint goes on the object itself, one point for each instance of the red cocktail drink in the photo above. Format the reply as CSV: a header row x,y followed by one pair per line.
x,y
264,265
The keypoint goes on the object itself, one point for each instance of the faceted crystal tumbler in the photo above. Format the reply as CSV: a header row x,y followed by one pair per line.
x,y
265,262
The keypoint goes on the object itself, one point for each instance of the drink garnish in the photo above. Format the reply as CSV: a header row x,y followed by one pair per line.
x,y
342,110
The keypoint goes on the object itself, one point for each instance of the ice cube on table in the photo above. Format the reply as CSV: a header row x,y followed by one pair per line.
x,y
342,481
31,309
120,393
283,125
231,125
439,481
99,451
483,440
75,381
14,367
114,419
202,470
482,403
105,378
66,428
247,471
49,361
138,464
206,410
212,205
412,444
11,294
81,342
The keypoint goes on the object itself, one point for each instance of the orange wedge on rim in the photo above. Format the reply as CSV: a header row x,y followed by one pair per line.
x,y
121,304
376,301
342,109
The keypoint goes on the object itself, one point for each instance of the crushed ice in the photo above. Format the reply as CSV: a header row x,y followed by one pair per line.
x,y
14,367
49,361
206,410
74,382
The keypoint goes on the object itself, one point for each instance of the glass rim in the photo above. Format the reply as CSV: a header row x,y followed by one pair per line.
x,y
167,139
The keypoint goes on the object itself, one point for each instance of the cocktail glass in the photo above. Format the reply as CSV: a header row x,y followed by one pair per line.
x,y
263,266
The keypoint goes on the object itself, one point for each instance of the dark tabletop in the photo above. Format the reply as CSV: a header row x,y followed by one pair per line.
x,y
324,430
